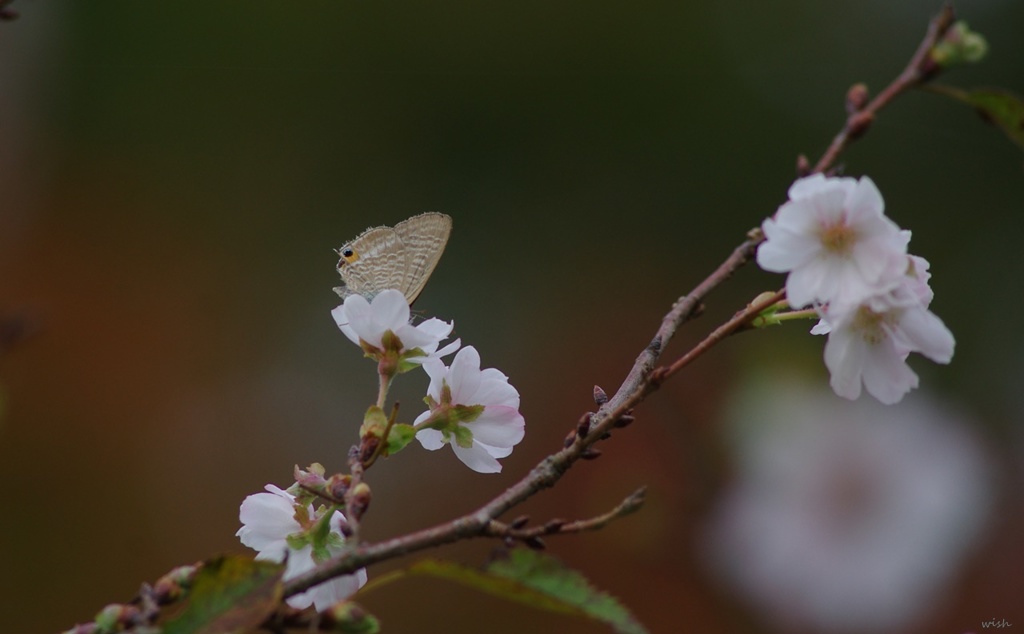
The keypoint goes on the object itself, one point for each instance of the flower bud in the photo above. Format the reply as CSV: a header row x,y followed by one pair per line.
x,y
360,500
856,98
959,45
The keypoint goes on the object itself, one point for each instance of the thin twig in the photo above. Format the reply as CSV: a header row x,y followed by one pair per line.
x,y
738,321
631,504
548,471
919,70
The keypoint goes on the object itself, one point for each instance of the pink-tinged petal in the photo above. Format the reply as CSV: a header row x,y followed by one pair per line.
x,y
390,310
816,184
821,328
477,458
299,561
865,201
338,589
887,376
436,328
826,210
927,334
496,452
844,358
499,426
464,376
360,320
881,263
784,250
431,439
494,389
437,372
342,320
803,286
447,350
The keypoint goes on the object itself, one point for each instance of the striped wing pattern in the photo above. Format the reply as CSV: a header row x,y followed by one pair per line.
x,y
424,238
401,258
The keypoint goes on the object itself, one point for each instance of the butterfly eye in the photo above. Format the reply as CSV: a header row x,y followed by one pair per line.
x,y
348,256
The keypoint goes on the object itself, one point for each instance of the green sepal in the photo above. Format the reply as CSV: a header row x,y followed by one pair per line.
x,y
399,436
465,413
463,437
405,365
374,423
230,594
769,316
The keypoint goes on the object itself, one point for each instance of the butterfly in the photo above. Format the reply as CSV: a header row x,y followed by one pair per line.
x,y
400,257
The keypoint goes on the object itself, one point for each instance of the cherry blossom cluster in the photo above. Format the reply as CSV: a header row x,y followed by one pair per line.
x,y
849,262
475,411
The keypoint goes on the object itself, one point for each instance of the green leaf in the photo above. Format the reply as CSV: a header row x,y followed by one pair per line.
x,y
399,436
540,581
1001,108
230,595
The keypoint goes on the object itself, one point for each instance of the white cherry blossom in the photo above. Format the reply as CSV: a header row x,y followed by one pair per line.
x,y
869,342
269,519
366,323
834,240
474,410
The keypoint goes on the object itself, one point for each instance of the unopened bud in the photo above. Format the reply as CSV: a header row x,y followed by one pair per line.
x,y
625,420
569,439
959,45
535,543
338,484
856,98
803,166
552,526
600,396
583,426
519,522
360,500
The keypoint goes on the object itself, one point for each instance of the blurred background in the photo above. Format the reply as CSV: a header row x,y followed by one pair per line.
x,y
175,176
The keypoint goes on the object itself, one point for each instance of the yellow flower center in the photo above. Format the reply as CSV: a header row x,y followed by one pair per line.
x,y
869,324
838,238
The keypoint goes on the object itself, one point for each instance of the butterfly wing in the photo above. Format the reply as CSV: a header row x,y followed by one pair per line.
x,y
423,240
373,262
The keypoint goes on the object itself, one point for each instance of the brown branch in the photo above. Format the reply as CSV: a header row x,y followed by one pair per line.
x,y
919,70
643,378
547,472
